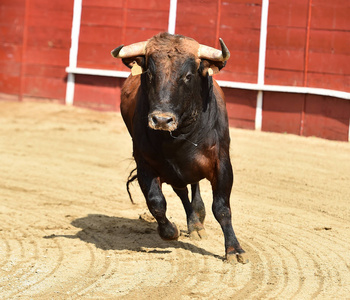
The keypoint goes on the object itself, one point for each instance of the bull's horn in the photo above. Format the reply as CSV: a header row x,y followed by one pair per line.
x,y
207,52
136,49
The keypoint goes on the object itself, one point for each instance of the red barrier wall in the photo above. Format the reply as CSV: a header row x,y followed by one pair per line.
x,y
308,44
11,41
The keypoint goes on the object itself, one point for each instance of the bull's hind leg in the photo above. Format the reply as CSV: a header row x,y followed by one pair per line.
x,y
222,185
151,188
195,226
197,202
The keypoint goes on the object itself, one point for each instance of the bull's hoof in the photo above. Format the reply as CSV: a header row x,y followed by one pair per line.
x,y
240,257
169,233
198,235
196,230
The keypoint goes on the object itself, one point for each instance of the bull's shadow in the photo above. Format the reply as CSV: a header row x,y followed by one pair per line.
x,y
117,233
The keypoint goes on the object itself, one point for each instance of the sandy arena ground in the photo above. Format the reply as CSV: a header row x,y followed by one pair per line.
x,y
69,231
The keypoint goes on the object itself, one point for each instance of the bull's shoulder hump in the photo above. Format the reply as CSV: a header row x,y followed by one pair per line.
x,y
129,95
130,89
131,84
218,91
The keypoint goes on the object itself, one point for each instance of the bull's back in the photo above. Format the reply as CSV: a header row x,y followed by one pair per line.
x,y
129,95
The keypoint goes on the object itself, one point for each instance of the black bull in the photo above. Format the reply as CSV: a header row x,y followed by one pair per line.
x,y
176,115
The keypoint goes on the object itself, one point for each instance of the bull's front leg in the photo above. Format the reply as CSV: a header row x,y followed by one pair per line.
x,y
151,188
194,220
222,185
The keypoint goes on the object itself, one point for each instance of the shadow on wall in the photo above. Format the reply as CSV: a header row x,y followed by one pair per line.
x,y
116,233
101,93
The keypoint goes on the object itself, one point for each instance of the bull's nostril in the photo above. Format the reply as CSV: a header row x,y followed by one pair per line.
x,y
162,121
154,120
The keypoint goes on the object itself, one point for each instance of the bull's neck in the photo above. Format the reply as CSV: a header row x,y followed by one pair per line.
x,y
183,137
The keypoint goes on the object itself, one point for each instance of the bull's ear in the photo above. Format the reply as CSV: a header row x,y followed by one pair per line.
x,y
136,64
210,67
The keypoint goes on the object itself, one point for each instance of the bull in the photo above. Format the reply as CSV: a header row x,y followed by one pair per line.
x,y
176,115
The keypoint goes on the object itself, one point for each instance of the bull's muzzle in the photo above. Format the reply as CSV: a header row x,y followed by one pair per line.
x,y
162,121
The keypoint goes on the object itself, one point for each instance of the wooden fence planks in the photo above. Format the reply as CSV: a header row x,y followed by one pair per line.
x,y
241,107
104,27
308,44
327,117
11,38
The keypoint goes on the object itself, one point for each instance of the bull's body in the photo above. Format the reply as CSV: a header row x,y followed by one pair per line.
x,y
176,115
178,159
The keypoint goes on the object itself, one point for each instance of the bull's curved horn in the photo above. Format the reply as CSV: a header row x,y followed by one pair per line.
x,y
136,49
207,52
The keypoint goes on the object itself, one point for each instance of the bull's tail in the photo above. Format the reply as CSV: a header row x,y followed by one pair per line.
x,y
131,178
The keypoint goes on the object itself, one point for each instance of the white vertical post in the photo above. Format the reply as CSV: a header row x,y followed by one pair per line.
x,y
172,16
262,58
70,89
258,111
262,45
73,53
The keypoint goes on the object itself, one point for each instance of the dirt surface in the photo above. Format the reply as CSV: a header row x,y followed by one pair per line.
x,y
69,231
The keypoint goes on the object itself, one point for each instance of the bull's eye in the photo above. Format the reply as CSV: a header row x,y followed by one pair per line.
x,y
188,77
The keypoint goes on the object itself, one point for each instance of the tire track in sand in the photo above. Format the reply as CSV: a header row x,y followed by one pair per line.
x,y
28,267
293,253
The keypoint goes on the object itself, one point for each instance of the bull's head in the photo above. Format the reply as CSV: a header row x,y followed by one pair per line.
x,y
175,76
